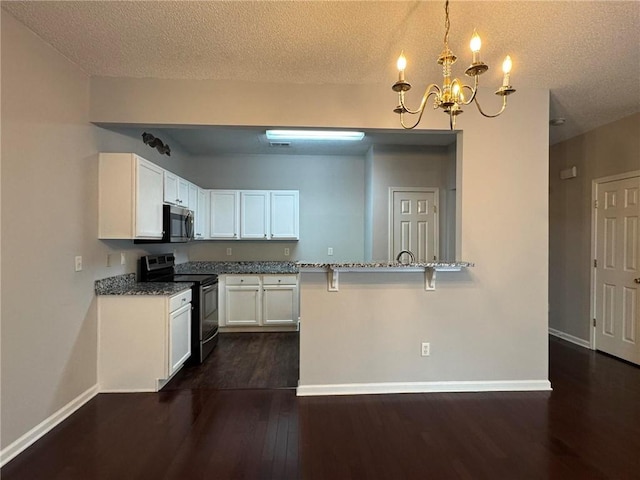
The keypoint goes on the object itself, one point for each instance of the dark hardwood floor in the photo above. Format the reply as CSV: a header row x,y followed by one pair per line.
x,y
587,428
245,360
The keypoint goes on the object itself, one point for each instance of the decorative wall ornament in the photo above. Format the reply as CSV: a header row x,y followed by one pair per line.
x,y
156,143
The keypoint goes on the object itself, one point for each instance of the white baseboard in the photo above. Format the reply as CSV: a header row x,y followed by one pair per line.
x,y
259,329
423,387
569,338
25,441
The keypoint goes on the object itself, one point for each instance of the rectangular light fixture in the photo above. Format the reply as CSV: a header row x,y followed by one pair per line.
x,y
321,135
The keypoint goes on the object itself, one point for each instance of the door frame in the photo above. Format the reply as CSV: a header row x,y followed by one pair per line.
x,y
594,218
436,203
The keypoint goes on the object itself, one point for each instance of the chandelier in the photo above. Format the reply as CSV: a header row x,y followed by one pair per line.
x,y
451,96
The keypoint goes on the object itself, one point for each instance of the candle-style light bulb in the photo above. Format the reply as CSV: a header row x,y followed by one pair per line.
x,y
456,92
402,64
506,68
475,45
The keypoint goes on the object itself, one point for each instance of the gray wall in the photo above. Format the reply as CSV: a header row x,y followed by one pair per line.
x,y
49,205
402,166
608,150
331,203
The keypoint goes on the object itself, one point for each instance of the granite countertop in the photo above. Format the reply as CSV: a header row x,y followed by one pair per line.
x,y
126,285
247,267
383,265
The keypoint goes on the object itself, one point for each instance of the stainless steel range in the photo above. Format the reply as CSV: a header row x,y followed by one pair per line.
x,y
204,318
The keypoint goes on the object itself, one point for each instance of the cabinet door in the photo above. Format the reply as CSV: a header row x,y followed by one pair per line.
x,y
242,305
201,213
148,197
280,305
254,215
192,203
224,214
171,188
179,337
284,215
183,193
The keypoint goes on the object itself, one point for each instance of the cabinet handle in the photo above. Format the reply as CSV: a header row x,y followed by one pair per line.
x,y
235,235
241,280
265,235
272,235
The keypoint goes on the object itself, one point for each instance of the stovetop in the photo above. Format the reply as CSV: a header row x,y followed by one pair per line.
x,y
161,268
196,278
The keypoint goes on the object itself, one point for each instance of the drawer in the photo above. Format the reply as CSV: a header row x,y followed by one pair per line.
x,y
179,300
280,279
243,280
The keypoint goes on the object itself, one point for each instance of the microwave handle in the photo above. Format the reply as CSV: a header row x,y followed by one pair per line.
x,y
189,224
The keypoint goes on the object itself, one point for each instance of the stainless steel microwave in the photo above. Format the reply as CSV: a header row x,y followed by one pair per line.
x,y
177,225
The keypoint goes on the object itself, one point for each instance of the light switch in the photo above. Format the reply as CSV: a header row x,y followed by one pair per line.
x,y
330,251
78,263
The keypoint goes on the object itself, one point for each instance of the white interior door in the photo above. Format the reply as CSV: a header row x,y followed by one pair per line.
x,y
414,223
617,269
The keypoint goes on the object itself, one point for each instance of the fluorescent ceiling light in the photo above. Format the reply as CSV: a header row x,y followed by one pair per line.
x,y
314,135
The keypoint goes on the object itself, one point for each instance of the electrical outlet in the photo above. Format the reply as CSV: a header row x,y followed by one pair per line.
x,y
426,349
330,251
78,263
286,252
123,258
229,252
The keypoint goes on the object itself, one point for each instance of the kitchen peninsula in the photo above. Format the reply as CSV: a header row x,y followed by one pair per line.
x,y
365,333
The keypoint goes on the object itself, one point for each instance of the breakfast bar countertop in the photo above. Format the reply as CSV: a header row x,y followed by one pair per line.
x,y
388,266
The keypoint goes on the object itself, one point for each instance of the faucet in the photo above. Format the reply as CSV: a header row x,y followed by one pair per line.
x,y
413,259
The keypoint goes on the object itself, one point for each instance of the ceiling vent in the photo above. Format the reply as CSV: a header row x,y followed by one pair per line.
x,y
280,144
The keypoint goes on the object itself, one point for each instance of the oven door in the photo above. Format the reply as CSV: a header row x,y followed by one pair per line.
x,y
209,312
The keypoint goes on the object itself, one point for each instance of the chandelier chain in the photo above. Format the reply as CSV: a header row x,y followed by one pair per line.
x,y
446,25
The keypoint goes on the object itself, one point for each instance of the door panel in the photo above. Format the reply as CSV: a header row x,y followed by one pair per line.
x,y
617,300
414,224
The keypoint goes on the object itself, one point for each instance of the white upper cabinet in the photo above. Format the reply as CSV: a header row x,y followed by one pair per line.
x,y
224,214
202,214
176,190
254,215
183,193
285,215
192,203
130,197
171,188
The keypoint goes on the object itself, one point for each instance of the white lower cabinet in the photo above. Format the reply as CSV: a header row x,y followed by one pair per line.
x,y
259,302
280,300
242,301
143,340
179,337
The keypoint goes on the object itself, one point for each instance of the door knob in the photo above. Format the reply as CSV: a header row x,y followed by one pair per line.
x,y
637,280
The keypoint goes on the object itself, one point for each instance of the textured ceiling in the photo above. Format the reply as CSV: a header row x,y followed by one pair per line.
x,y
587,53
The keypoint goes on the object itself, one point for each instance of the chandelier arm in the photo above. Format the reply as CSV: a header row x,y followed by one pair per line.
x,y
473,90
428,92
504,105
